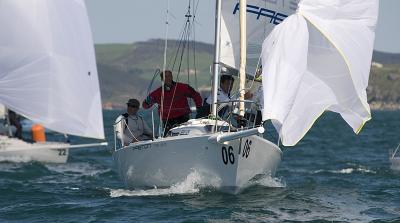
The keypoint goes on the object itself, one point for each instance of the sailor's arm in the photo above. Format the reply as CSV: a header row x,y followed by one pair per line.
x,y
150,100
195,96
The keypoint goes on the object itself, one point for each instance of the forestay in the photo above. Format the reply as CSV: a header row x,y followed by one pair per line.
x,y
47,65
262,17
316,60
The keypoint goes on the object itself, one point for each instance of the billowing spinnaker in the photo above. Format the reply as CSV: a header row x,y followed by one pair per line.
x,y
262,17
329,72
47,65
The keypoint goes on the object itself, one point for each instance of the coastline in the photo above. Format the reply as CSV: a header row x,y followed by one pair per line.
x,y
375,106
384,106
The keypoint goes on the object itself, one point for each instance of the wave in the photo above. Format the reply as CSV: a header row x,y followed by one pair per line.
x,y
266,180
347,170
16,159
82,169
191,185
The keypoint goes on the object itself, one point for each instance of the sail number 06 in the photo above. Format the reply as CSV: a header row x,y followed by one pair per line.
x,y
227,155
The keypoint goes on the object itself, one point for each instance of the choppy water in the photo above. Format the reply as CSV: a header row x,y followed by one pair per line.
x,y
332,175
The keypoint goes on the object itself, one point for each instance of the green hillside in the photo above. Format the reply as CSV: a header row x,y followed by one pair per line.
x,y
384,87
126,70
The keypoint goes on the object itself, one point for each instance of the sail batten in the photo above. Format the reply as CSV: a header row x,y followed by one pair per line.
x,y
48,69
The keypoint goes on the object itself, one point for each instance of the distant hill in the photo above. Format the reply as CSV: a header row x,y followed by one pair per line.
x,y
126,70
386,58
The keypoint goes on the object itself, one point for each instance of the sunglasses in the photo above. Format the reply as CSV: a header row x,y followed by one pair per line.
x,y
133,106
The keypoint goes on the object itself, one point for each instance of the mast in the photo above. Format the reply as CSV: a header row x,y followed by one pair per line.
x,y
217,49
243,46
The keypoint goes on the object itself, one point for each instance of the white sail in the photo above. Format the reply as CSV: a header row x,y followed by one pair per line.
x,y
2,111
316,60
47,65
262,17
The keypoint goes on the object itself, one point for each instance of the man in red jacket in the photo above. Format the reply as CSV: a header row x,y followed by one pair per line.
x,y
175,108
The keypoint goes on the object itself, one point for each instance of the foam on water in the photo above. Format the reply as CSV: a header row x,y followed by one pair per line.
x,y
347,170
266,180
269,181
82,169
191,185
16,159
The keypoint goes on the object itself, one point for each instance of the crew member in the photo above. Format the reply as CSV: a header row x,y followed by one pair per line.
x,y
135,128
15,120
224,94
175,108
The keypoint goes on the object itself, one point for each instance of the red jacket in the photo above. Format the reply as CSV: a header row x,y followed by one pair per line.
x,y
177,105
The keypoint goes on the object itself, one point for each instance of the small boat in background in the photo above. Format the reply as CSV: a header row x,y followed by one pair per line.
x,y
395,160
49,77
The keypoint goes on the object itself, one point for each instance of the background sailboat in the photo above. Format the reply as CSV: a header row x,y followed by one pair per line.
x,y
48,73
395,159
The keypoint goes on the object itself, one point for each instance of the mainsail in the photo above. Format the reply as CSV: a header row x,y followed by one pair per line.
x,y
47,65
316,60
262,17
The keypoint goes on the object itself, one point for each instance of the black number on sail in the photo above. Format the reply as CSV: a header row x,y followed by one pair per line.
x,y
227,155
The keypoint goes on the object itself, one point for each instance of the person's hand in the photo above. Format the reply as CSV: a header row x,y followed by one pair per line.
x,y
248,95
148,100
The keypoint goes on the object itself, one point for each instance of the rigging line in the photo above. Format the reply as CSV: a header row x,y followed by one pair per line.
x,y
185,38
188,41
188,49
164,64
157,72
182,36
179,45
194,43
177,79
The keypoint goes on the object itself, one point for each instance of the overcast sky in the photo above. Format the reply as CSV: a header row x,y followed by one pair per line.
x,y
127,21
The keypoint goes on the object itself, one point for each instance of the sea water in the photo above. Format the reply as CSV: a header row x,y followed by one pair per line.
x,y
331,175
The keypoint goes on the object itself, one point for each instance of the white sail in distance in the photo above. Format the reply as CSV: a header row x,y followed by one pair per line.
x,y
262,17
47,65
319,60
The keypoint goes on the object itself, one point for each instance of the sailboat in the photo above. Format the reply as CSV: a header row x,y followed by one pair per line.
x,y
395,159
48,74
316,57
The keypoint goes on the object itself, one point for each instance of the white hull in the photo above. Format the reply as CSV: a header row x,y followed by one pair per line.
x,y
395,163
15,150
165,162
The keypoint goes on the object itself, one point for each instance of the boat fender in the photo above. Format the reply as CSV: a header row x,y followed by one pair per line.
x,y
38,133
